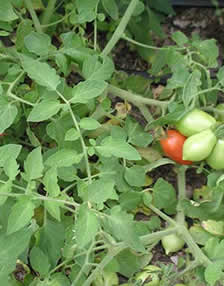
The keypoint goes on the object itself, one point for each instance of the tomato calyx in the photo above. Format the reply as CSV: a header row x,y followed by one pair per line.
x,y
172,145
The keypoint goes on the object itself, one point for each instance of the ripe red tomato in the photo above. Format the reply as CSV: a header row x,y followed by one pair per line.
x,y
172,146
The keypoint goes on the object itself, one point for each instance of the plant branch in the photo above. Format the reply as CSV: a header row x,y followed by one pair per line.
x,y
145,112
163,215
120,28
135,98
146,46
12,95
181,183
48,12
81,138
33,15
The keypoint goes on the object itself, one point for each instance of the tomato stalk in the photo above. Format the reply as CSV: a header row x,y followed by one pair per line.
x,y
120,28
181,184
33,15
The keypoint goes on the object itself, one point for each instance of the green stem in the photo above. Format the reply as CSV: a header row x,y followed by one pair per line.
x,y
44,198
190,267
83,145
124,37
145,112
113,251
120,28
194,248
48,12
85,264
181,184
81,138
12,95
206,72
207,90
162,215
158,163
33,15
134,98
111,254
95,30
58,21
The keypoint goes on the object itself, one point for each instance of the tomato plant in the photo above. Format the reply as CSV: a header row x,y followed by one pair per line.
x,y
199,146
85,195
172,146
194,122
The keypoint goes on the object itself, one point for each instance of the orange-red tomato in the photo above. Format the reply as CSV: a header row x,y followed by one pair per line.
x,y
172,146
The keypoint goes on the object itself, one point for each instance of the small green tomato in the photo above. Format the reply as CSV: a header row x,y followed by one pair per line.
x,y
220,116
199,146
194,122
172,243
149,276
216,158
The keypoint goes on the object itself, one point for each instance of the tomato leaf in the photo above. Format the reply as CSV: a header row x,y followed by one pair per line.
x,y
191,87
8,114
88,123
50,181
87,90
164,196
95,68
51,240
54,209
34,164
44,110
9,151
39,261
37,43
11,247
214,272
119,219
20,215
40,72
101,190
111,8
6,12
86,227
118,148
64,158
135,176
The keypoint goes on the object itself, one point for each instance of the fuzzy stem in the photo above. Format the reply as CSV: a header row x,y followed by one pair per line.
x,y
181,182
120,28
113,251
33,15
147,46
134,98
81,138
145,112
48,12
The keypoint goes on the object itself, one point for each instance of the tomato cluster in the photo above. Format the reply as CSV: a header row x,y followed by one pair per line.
x,y
194,140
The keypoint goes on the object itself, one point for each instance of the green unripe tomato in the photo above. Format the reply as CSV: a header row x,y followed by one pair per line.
x,y
220,116
199,146
172,243
216,158
179,284
151,274
194,122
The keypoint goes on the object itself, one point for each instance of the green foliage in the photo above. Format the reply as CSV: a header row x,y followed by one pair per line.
x,y
75,163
